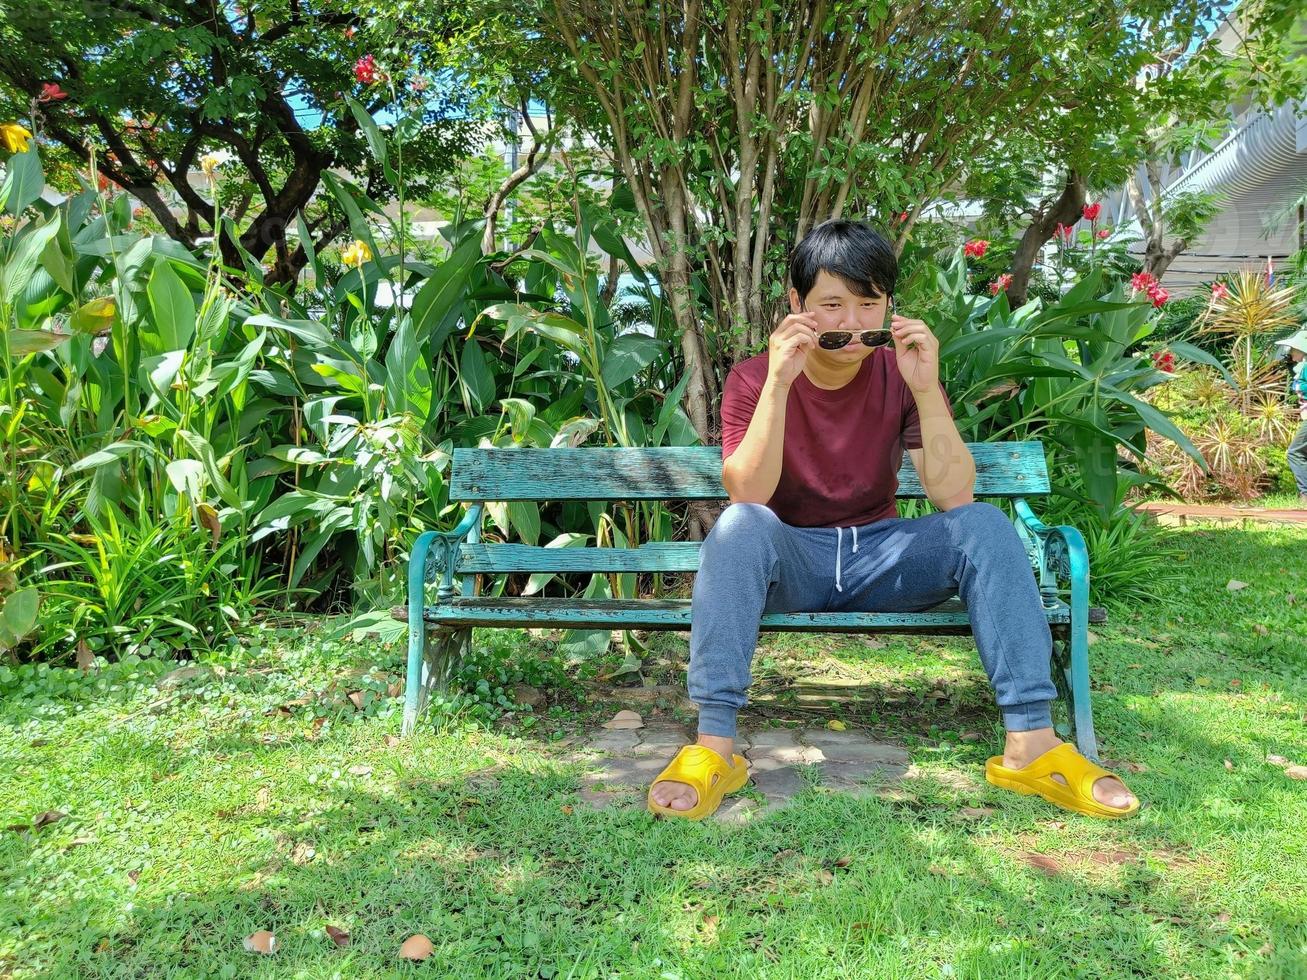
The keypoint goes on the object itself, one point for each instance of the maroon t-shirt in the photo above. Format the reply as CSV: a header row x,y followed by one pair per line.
x,y
842,448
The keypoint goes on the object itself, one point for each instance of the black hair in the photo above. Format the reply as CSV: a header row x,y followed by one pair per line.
x,y
852,250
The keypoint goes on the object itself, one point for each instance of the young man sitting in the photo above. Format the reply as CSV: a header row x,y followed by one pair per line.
x,y
813,431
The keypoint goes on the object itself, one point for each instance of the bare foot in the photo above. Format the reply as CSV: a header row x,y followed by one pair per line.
x,y
1023,748
679,796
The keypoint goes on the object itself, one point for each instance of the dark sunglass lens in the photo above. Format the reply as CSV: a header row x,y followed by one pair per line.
x,y
876,338
834,340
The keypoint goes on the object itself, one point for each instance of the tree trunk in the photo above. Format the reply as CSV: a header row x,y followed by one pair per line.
x,y
1065,210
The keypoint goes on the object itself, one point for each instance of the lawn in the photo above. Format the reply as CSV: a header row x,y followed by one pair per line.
x,y
219,805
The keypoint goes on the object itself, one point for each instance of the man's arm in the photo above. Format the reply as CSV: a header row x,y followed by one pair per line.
x,y
750,473
944,464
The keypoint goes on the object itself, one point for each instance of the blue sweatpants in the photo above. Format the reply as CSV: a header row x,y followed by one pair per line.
x,y
752,563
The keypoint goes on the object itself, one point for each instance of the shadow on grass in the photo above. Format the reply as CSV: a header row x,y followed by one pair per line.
x,y
509,875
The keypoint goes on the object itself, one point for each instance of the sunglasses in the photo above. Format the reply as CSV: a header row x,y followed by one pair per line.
x,y
837,339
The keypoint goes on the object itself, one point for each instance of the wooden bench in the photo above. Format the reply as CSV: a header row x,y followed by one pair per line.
x,y
450,561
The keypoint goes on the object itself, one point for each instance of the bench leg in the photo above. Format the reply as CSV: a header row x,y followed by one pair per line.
x,y
1078,681
434,656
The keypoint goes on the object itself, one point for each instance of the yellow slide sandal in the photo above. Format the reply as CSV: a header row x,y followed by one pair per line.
x,y
1037,779
708,773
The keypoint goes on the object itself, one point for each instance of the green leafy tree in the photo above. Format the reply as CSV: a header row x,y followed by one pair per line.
x,y
149,88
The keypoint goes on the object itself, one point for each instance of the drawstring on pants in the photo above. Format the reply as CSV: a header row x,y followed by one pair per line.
x,y
839,542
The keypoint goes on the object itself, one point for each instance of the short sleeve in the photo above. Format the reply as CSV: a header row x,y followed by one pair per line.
x,y
911,433
739,399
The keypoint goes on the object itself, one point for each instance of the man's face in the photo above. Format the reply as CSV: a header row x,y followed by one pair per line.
x,y
837,308
1297,355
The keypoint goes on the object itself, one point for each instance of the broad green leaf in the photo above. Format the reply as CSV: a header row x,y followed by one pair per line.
x,y
109,454
524,516
627,356
313,333
520,414
24,180
19,265
436,306
577,645
408,384
1202,357
95,316
23,342
476,377
172,305
186,475
19,613
539,580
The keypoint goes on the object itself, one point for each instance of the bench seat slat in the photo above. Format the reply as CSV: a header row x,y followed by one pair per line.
x,y
660,556
674,614
1003,469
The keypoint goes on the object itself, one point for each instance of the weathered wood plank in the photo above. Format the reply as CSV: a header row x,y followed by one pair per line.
x,y
660,556
1003,469
674,614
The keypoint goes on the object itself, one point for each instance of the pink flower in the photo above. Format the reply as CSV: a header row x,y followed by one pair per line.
x,y
1064,232
1142,282
350,32
1104,233
976,248
1091,211
1000,284
365,69
1158,295
1220,290
51,92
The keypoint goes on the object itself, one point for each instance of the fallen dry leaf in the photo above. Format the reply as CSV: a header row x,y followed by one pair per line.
x,y
392,741
836,725
85,658
567,809
356,699
1229,766
1277,760
47,817
976,812
624,720
844,862
970,736
359,770
262,942
824,876
1296,772
134,875
315,729
1234,585
1235,682
416,948
1042,862
1261,630
209,519
394,689
19,828
303,852
338,936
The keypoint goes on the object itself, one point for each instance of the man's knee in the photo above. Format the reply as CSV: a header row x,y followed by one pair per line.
x,y
743,529
983,524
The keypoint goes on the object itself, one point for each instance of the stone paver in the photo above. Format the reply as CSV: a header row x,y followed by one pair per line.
x,y
620,765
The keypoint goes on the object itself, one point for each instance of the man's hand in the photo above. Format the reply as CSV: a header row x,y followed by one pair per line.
x,y
917,352
788,348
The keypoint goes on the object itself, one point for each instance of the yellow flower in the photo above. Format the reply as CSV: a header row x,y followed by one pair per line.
x,y
210,162
356,254
14,137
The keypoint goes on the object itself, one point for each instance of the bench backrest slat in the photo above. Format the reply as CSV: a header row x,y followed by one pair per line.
x,y
1003,469
660,556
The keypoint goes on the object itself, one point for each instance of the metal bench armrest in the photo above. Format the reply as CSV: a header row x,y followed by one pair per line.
x,y
443,547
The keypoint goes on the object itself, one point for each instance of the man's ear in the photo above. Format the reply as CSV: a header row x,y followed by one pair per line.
x,y
796,304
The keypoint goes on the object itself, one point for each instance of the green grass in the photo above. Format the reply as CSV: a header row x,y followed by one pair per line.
x,y
195,818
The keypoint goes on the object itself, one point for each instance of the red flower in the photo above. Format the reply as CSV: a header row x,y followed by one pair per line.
x,y
1091,211
51,92
1000,284
365,69
1104,233
1220,290
1064,232
350,32
1164,360
1142,282
976,248
1158,295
